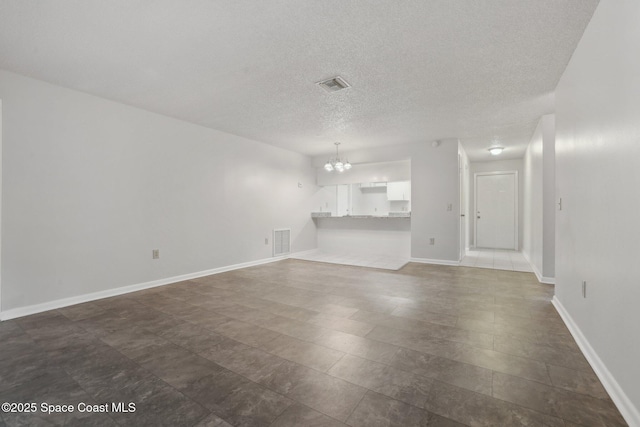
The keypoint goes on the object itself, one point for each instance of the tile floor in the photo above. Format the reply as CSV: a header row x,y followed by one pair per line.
x,y
358,260
298,343
498,259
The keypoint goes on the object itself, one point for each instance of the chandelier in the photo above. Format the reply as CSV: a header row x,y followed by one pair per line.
x,y
336,163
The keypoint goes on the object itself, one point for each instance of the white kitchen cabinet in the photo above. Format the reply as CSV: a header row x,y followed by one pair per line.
x,y
399,190
373,185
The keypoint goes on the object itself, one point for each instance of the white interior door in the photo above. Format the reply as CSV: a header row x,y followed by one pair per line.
x,y
496,210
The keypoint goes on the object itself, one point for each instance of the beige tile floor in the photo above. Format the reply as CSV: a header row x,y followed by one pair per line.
x,y
298,343
358,260
498,259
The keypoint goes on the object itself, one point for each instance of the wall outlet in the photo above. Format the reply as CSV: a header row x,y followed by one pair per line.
x,y
584,289
299,185
432,240
266,240
449,207
155,254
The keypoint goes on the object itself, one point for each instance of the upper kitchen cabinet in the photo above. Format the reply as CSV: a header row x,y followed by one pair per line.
x,y
399,191
365,185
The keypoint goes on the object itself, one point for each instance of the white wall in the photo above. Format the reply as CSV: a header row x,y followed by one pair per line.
x,y
1,133
367,172
325,200
549,196
532,200
538,240
434,186
465,172
598,177
90,187
496,166
370,201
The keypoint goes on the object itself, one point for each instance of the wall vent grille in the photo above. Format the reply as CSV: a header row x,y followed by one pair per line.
x,y
281,241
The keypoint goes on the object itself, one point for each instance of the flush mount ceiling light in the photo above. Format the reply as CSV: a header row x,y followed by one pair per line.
x,y
496,150
334,84
336,164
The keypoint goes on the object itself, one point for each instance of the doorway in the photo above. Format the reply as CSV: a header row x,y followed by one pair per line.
x,y
496,210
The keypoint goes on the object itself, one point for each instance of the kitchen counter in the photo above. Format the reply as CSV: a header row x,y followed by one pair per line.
x,y
406,215
365,234
364,222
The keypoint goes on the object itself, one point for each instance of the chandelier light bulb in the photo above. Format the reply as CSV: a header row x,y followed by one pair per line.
x,y
336,164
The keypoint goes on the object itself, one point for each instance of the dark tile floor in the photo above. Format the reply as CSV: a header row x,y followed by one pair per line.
x,y
297,343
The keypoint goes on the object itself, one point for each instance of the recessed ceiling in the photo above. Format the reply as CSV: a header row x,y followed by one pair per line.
x,y
419,70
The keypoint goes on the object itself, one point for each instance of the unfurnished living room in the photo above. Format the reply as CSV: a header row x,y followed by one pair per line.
x,y
319,213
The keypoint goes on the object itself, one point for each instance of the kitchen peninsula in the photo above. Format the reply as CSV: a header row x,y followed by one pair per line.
x,y
372,218
382,235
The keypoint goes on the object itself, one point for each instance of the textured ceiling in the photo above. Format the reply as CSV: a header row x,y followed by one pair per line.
x,y
477,70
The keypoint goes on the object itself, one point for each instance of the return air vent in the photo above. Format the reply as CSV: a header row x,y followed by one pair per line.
x,y
281,241
334,84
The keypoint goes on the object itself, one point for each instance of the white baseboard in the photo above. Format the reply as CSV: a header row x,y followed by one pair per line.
x,y
547,280
435,261
541,278
65,302
626,407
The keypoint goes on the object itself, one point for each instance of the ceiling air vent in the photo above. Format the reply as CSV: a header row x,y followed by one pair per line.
x,y
334,84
